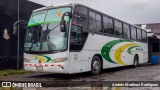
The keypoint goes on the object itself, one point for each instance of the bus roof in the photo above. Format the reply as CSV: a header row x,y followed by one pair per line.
x,y
50,7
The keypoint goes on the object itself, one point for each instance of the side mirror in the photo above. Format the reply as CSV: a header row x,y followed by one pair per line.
x,y
63,22
63,26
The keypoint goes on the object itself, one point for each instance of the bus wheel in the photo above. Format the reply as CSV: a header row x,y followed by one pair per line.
x,y
136,61
96,65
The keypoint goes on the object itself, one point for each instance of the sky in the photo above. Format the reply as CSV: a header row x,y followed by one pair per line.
x,y
131,11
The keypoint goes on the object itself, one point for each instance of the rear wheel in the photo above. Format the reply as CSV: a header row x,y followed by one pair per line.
x,y
96,65
136,61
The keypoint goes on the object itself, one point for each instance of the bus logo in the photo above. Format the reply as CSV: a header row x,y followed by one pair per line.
x,y
59,14
42,59
105,51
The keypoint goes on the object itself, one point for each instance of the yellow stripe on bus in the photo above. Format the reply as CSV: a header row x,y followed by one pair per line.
x,y
40,57
119,52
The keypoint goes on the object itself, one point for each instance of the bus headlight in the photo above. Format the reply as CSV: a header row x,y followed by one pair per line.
x,y
58,60
26,60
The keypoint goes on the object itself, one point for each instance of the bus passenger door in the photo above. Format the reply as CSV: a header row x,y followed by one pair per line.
x,y
78,57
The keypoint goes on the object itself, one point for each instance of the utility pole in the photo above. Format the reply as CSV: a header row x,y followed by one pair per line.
x,y
18,41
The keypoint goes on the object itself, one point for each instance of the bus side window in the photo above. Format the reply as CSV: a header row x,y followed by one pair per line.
x,y
108,25
133,33
144,36
95,22
76,35
139,34
81,12
111,27
76,38
92,21
126,31
118,28
99,23
80,21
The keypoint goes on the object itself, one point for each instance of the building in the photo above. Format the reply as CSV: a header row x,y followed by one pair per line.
x,y
8,16
153,38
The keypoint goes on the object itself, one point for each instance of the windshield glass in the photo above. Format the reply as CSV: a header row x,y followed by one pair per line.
x,y
43,32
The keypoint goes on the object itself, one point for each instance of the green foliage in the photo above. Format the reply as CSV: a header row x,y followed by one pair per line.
x,y
12,72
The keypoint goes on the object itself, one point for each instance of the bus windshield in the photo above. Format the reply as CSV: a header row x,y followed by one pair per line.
x,y
43,31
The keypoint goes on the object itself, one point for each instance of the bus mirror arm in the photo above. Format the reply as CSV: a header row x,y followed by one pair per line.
x,y
63,22
15,26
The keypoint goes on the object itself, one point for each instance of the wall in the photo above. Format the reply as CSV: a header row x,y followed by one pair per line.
x,y
8,15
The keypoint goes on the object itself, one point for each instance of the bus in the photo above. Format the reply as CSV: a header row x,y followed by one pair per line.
x,y
73,38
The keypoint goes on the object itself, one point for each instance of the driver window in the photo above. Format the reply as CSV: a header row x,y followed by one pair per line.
x,y
76,35
76,39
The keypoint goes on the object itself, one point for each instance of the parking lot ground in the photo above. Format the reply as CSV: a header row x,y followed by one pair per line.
x,y
145,72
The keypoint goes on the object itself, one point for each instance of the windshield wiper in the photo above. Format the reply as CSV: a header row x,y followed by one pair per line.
x,y
52,29
49,47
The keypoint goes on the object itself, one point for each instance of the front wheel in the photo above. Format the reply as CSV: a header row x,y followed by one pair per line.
x,y
96,65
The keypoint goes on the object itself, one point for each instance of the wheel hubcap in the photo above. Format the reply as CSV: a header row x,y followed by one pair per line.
x,y
136,63
96,65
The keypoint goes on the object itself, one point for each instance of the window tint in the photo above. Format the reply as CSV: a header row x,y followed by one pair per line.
x,y
99,23
118,28
81,10
111,26
139,34
76,35
126,31
144,36
133,33
106,24
80,26
82,13
92,21
95,22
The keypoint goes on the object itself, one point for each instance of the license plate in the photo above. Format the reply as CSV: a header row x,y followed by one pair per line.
x,y
39,68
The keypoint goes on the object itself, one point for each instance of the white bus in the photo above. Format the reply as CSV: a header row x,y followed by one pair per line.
x,y
73,38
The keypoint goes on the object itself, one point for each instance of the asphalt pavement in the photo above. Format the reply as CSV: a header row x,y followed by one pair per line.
x,y
146,73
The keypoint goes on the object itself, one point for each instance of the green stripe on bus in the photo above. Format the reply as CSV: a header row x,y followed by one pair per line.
x,y
48,58
129,49
107,48
35,24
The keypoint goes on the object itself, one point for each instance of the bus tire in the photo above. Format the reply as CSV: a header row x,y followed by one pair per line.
x,y
96,65
136,61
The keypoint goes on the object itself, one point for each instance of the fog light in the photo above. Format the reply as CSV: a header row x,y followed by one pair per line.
x,y
58,60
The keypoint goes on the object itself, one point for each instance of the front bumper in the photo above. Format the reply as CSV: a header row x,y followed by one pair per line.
x,y
46,67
